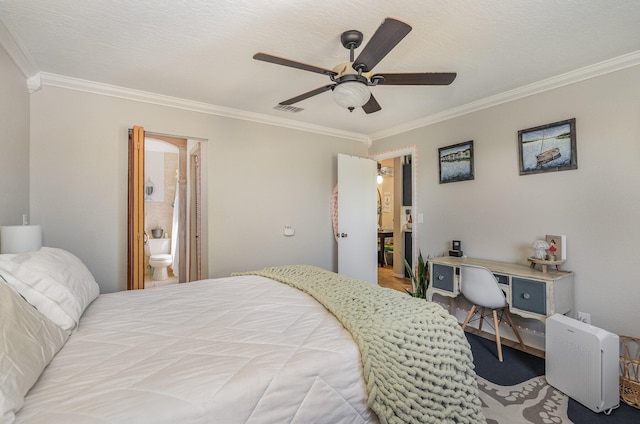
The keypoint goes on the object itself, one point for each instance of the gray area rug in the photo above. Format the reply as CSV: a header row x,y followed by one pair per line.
x,y
532,401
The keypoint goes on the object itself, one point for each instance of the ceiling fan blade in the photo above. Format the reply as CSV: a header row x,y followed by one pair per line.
x,y
293,64
386,37
425,78
307,95
372,105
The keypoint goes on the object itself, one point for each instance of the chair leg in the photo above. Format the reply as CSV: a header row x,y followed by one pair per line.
x,y
481,320
514,328
497,328
469,315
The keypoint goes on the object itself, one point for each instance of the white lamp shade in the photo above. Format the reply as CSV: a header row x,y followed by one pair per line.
x,y
20,238
351,94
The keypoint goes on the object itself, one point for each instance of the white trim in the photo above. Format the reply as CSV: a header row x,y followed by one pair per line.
x,y
28,67
34,83
17,52
591,71
61,81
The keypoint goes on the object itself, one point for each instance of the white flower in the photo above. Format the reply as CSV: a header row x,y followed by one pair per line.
x,y
540,247
540,244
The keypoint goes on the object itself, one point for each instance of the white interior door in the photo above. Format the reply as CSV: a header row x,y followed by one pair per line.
x,y
357,226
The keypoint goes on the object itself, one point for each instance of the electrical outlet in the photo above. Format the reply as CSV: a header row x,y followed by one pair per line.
x,y
584,317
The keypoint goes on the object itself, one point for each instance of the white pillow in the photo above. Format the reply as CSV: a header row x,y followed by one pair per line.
x,y
53,280
29,342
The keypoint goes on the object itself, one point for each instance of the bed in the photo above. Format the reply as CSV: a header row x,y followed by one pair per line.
x,y
291,344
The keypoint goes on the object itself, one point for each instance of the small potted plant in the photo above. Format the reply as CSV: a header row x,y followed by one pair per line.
x,y
419,278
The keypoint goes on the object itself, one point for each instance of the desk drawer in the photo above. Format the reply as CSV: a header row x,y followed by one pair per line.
x,y
529,295
443,277
502,279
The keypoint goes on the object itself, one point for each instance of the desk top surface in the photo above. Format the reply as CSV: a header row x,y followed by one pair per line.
x,y
517,270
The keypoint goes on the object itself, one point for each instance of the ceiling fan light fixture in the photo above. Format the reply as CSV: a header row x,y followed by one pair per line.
x,y
351,94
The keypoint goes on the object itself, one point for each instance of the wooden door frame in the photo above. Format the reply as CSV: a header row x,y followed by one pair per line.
x,y
135,209
195,212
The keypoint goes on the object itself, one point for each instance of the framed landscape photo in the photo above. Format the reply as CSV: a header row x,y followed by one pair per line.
x,y
550,147
456,162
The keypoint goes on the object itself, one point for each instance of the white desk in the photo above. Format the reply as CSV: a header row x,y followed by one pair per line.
x,y
530,292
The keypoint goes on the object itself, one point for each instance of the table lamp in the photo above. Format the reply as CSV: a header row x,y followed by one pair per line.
x,y
20,238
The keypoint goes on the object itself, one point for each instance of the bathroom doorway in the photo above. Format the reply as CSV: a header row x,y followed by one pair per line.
x,y
168,219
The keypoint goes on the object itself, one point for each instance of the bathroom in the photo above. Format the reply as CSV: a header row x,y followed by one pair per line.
x,y
161,168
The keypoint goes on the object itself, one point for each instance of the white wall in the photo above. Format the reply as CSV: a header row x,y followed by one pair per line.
x,y
261,178
500,213
14,142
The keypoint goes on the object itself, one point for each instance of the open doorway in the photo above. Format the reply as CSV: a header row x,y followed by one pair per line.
x,y
397,239
167,237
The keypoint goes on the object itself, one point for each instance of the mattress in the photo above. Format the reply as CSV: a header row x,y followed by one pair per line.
x,y
232,350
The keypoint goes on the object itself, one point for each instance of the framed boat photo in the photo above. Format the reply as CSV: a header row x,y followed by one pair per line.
x,y
546,148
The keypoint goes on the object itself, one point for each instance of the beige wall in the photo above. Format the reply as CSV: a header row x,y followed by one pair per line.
x,y
14,142
78,172
260,178
500,213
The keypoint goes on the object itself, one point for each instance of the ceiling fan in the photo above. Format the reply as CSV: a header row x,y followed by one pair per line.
x,y
351,80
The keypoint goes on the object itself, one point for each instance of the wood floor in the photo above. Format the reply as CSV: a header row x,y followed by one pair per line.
x,y
387,279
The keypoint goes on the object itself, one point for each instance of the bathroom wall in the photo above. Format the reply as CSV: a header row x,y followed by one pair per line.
x,y
160,168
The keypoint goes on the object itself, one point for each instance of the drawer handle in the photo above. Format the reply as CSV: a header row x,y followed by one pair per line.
x,y
440,277
526,295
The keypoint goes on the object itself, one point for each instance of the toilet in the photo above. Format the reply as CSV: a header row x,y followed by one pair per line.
x,y
159,252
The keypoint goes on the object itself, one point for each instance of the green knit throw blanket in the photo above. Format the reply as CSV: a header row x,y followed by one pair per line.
x,y
417,362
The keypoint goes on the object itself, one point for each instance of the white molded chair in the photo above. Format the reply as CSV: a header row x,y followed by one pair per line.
x,y
481,288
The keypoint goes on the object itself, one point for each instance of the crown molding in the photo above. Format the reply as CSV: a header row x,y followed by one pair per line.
x,y
19,55
591,71
61,81
36,80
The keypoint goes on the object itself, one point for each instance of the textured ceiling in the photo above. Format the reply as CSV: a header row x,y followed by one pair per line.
x,y
201,50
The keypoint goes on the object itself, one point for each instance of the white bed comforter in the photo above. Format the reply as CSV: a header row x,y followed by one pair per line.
x,y
233,350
